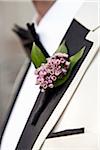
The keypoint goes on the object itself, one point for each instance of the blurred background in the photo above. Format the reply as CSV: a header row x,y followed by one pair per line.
x,y
12,55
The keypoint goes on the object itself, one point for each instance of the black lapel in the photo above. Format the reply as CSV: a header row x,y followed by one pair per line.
x,y
75,40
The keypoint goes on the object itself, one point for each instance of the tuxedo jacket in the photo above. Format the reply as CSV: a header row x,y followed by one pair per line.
x,y
64,130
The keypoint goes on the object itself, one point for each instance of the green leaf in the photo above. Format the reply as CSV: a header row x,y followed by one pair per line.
x,y
37,56
62,48
73,60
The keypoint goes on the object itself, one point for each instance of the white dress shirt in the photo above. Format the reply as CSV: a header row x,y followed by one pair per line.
x,y
51,30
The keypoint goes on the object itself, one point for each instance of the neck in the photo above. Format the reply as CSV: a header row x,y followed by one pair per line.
x,y
42,7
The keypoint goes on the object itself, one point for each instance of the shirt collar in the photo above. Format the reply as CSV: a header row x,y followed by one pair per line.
x,y
55,23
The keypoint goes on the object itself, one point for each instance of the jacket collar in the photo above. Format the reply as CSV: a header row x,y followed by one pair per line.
x,y
55,23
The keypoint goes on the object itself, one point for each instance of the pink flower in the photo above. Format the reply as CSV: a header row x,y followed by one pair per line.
x,y
53,78
52,71
58,72
62,60
48,73
57,61
49,81
51,85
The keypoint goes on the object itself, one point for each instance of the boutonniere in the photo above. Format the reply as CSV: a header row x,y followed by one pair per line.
x,y
54,71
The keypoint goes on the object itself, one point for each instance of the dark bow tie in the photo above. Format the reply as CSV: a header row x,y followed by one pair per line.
x,y
27,38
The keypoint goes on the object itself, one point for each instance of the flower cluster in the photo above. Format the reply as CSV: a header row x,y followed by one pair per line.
x,y
47,74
